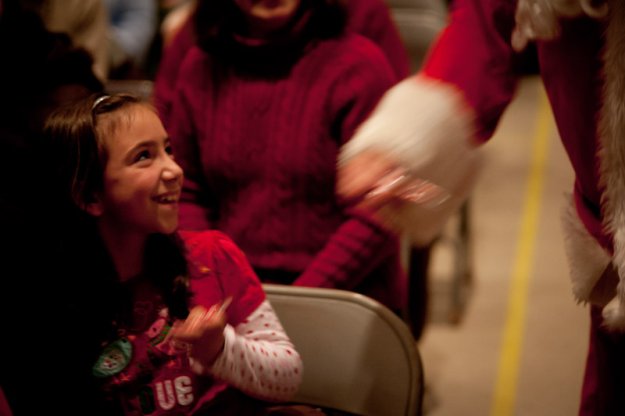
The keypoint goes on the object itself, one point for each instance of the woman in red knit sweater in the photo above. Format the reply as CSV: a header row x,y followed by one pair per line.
x,y
369,18
260,110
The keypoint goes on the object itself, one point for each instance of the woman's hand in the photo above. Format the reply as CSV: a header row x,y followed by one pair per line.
x,y
202,332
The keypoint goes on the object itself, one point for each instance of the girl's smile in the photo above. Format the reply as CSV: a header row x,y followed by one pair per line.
x,y
142,182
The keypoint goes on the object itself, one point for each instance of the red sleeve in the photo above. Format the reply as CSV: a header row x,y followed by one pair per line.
x,y
372,19
358,245
474,53
218,270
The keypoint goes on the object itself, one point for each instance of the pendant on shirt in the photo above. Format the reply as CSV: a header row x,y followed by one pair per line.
x,y
113,359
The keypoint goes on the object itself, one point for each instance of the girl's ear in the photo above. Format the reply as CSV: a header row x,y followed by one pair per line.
x,y
94,206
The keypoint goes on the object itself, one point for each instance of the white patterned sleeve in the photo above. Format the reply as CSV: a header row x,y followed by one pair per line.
x,y
259,358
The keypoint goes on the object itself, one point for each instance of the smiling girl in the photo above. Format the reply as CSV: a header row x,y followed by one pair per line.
x,y
179,321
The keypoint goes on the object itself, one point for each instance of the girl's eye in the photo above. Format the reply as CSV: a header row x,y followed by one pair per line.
x,y
143,155
169,150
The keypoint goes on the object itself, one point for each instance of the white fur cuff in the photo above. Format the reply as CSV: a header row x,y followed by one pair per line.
x,y
587,260
425,126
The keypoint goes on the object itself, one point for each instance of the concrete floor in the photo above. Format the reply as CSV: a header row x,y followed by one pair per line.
x,y
520,343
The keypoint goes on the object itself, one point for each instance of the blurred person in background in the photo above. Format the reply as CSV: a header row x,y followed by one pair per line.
x,y
132,29
85,22
117,33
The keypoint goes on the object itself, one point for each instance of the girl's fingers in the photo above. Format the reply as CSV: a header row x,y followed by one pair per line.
x,y
198,322
224,305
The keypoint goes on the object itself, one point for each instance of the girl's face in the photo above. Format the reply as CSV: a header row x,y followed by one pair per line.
x,y
142,182
268,15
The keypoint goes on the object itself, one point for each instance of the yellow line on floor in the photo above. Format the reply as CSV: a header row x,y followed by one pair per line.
x,y
512,341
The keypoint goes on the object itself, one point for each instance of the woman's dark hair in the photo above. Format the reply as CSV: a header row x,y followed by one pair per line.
x,y
74,143
217,23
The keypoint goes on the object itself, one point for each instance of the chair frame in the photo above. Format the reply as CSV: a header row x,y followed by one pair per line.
x,y
380,378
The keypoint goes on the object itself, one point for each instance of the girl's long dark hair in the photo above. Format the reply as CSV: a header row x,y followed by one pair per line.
x,y
218,22
74,148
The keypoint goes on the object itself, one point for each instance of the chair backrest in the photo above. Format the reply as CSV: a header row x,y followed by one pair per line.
x,y
358,356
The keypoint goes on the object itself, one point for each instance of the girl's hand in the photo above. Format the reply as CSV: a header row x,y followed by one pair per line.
x,y
202,332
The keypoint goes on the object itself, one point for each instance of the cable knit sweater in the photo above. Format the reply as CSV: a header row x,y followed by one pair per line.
x,y
259,156
369,18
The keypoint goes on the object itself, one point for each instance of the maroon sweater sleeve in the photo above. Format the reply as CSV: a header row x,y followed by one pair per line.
x,y
355,249
359,244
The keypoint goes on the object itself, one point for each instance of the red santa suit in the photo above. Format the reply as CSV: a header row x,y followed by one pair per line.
x,y
433,124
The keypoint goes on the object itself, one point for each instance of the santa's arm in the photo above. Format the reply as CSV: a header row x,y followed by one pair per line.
x,y
430,125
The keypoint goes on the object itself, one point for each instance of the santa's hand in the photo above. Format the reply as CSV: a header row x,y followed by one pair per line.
x,y
413,161
202,332
366,178
374,180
